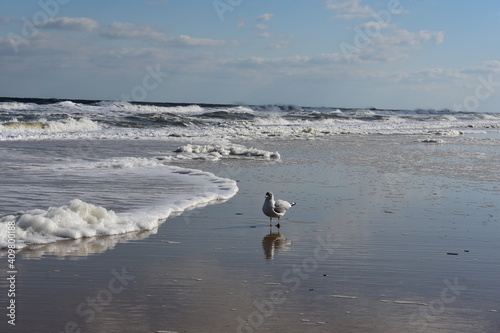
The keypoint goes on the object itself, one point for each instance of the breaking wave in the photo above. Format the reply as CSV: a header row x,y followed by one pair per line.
x,y
47,127
28,119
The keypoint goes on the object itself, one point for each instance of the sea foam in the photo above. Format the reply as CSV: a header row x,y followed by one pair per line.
x,y
216,152
81,219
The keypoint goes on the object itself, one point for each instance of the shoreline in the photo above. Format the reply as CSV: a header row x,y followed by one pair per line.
x,y
365,248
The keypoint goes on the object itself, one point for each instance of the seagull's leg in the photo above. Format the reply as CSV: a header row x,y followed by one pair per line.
x,y
278,225
270,221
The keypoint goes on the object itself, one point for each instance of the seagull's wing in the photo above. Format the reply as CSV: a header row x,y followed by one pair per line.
x,y
281,206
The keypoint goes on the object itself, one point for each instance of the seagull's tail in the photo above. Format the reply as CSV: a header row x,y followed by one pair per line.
x,y
293,204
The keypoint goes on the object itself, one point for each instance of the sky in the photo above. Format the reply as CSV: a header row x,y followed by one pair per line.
x,y
397,54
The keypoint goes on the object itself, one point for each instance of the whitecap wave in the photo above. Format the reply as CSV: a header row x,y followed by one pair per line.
x,y
68,104
141,108
49,126
16,106
124,120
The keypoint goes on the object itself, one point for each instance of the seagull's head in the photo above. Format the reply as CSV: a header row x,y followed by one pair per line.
x,y
269,195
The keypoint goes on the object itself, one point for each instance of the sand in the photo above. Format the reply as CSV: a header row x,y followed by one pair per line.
x,y
366,249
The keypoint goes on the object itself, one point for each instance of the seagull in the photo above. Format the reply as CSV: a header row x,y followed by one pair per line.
x,y
276,208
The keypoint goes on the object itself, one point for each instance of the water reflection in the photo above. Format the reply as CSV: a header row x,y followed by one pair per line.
x,y
82,247
273,242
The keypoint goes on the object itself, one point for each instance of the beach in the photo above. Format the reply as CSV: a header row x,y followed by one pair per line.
x,y
233,166
390,233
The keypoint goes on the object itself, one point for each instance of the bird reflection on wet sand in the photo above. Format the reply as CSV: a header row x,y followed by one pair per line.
x,y
273,242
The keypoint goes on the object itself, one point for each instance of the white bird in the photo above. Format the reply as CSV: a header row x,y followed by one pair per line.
x,y
276,208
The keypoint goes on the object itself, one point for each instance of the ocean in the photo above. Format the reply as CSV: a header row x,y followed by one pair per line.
x,y
408,199
53,155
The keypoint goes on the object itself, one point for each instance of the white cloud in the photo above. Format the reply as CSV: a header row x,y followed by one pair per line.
x,y
264,34
280,45
121,30
349,9
375,26
265,17
379,39
70,23
390,46
184,40
260,27
263,27
489,67
404,37
288,62
431,36
432,75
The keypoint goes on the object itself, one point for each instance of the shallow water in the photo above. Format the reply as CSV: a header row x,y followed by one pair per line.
x,y
389,234
114,190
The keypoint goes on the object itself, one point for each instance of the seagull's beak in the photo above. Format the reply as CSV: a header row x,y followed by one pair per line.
x,y
268,196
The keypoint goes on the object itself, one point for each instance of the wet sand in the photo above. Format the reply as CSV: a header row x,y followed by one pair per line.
x,y
389,234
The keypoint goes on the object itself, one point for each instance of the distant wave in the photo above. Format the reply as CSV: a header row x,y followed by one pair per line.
x,y
42,119
46,126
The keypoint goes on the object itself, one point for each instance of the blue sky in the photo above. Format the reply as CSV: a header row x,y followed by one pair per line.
x,y
346,53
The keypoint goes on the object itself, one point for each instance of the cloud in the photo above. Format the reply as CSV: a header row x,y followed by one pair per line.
x,y
122,30
432,75
70,23
280,45
349,9
318,68
390,46
264,34
375,26
184,40
9,45
431,36
260,27
263,27
287,62
489,67
404,37
265,17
